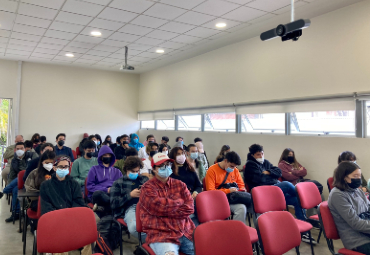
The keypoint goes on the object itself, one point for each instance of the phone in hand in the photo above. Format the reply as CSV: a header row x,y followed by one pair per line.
x,y
139,187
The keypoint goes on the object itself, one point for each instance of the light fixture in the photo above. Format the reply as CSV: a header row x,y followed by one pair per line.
x,y
159,51
95,33
70,55
221,25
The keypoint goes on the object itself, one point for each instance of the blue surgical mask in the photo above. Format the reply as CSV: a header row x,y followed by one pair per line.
x,y
136,140
165,171
194,155
182,142
229,169
133,176
62,172
98,143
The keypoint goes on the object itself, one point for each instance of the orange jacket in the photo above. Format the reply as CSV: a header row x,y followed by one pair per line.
x,y
215,176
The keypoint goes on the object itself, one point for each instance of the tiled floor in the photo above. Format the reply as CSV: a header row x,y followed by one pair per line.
x,y
11,240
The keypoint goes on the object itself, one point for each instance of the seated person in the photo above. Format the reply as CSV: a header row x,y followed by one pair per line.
x,y
144,152
61,192
165,207
147,168
202,156
9,155
164,148
120,150
125,193
100,179
350,156
29,147
43,172
346,202
82,165
115,145
95,140
192,155
128,153
216,175
221,155
165,141
135,142
34,163
60,149
38,147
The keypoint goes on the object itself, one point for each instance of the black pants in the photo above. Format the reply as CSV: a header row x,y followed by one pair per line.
x,y
102,199
365,249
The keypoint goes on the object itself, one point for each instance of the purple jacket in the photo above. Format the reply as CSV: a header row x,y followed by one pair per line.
x,y
100,177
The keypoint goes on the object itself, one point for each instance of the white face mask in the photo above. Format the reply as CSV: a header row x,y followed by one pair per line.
x,y
19,153
165,152
260,160
48,166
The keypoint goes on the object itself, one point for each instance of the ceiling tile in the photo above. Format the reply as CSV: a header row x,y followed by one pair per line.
x,y
18,52
124,37
163,35
188,4
54,4
6,20
139,47
37,11
21,47
88,39
135,30
66,27
46,51
114,43
166,50
241,1
26,37
118,15
102,63
140,59
137,6
195,18
164,11
75,49
262,18
288,8
8,6
186,39
113,60
84,61
20,42
229,24
93,57
76,55
149,41
106,24
106,48
268,5
50,46
147,21
59,34
121,52
177,27
4,33
28,29
63,59
82,45
172,45
42,55
104,33
21,19
244,14
98,53
54,41
4,40
216,7
202,32
82,8
149,55
73,18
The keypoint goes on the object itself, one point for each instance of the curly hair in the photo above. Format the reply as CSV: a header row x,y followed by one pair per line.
x,y
131,163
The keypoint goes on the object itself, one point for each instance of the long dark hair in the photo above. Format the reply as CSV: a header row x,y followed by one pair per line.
x,y
175,167
221,155
35,135
284,157
346,156
345,168
106,141
41,171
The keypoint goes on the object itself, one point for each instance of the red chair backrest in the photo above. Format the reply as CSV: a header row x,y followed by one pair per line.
x,y
247,188
222,237
86,191
327,221
204,184
39,208
74,154
268,198
78,151
281,179
20,179
308,194
330,183
212,205
5,161
278,232
66,230
139,227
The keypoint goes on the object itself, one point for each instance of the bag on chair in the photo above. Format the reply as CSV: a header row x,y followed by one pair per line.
x,y
237,197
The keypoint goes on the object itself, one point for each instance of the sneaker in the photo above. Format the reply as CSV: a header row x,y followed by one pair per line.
x,y
1,194
15,217
97,208
306,239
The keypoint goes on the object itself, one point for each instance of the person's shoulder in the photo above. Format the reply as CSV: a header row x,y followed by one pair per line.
x,y
143,178
177,182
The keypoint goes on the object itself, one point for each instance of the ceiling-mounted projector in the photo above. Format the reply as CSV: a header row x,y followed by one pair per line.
x,y
290,31
126,66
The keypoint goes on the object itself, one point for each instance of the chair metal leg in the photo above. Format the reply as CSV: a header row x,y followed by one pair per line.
x,y
318,239
297,250
24,234
120,239
257,248
312,251
34,251
249,219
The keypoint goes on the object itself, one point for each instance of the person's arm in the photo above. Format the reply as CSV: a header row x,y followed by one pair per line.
x,y
274,170
75,173
9,152
202,171
90,184
77,200
239,180
286,172
30,167
197,184
253,173
119,195
301,172
211,182
29,184
46,204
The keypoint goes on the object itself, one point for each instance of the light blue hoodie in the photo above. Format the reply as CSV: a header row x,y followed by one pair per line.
x,y
137,145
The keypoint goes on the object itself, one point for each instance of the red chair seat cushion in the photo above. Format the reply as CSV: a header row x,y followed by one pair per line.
x,y
314,217
303,226
32,214
253,234
122,222
349,252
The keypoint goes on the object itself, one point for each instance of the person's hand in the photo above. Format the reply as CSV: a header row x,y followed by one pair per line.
x,y
364,189
266,172
135,193
301,168
233,190
194,195
108,190
290,172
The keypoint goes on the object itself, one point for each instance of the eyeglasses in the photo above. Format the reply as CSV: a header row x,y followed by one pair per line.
x,y
166,164
63,167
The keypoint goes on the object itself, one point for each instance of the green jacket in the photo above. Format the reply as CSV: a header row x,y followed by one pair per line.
x,y
202,171
81,168
9,153
119,164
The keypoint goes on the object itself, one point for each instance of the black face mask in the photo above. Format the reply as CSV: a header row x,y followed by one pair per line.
x,y
36,140
355,183
89,154
152,153
61,143
106,160
150,142
290,159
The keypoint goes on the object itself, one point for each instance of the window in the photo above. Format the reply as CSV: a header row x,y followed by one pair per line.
x,y
263,123
219,122
147,124
368,118
165,124
323,123
190,122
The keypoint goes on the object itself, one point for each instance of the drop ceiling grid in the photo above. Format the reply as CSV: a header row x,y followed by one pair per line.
x,y
200,33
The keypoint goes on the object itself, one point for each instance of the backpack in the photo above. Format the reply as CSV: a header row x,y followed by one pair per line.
x,y
102,247
109,234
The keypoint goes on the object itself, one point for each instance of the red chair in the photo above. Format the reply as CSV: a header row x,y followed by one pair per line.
x,y
330,182
330,230
309,197
66,230
204,184
88,203
20,186
213,205
74,154
278,233
271,198
122,227
78,152
222,237
33,216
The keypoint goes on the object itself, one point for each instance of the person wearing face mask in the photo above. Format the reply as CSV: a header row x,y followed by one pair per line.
x,y
165,207
147,163
33,164
98,141
346,203
100,179
350,156
38,147
192,156
117,144
35,140
164,148
202,156
125,193
82,165
107,140
8,155
135,142
43,172
165,141
95,140
180,143
60,149
120,151
144,152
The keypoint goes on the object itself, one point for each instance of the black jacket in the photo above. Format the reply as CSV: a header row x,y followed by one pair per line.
x,y
119,152
57,194
20,164
113,146
32,165
253,175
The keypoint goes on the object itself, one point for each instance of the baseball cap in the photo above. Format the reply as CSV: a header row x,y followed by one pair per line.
x,y
165,138
159,159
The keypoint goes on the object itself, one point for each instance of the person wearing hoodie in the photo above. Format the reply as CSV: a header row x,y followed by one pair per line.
x,y
100,179
135,142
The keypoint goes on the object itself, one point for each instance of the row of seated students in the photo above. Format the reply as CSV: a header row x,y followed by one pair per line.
x,y
168,190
